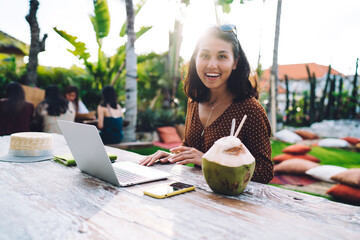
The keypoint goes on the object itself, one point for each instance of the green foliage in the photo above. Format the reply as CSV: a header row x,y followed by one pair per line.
x,y
148,151
333,104
101,19
80,47
148,120
9,72
225,4
107,70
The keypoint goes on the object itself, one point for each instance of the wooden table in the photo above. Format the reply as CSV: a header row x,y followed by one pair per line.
x,y
46,200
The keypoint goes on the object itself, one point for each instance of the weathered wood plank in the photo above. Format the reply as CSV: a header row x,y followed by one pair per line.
x,y
48,200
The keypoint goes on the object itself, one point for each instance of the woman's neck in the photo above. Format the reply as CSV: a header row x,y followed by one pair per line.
x,y
217,96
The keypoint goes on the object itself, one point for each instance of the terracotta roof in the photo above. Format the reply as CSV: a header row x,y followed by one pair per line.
x,y
299,72
295,72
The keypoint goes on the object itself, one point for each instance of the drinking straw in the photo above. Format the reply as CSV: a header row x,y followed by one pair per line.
x,y
240,126
232,127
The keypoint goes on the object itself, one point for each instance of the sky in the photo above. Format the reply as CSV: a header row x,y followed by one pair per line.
x,y
321,31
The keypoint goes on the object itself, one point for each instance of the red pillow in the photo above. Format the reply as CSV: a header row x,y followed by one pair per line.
x,y
168,134
351,140
297,149
306,134
286,156
345,193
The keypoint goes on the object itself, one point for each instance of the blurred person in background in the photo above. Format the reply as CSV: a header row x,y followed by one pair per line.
x,y
15,113
52,108
82,113
110,117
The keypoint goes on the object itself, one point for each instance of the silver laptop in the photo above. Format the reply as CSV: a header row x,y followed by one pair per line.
x,y
91,157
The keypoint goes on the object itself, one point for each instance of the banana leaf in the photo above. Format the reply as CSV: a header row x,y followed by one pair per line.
x,y
101,19
80,47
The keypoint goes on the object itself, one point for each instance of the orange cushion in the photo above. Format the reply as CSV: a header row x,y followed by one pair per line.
x,y
286,156
345,193
295,166
349,177
306,134
168,134
351,140
297,149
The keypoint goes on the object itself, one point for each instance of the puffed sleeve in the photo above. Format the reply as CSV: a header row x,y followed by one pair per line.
x,y
189,114
256,137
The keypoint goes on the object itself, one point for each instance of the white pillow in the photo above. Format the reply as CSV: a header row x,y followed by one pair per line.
x,y
287,136
333,142
325,172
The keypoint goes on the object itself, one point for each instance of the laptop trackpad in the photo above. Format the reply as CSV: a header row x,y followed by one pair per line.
x,y
129,171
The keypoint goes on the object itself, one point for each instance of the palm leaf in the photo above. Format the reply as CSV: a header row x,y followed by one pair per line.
x,y
80,47
101,19
142,31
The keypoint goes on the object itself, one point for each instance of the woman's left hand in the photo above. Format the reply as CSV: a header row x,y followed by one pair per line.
x,y
185,155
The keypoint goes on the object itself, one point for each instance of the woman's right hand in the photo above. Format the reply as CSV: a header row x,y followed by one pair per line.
x,y
151,159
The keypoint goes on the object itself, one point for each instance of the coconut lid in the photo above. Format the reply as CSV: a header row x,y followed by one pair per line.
x,y
221,152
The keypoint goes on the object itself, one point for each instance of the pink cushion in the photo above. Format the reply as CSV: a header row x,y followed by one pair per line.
x,y
349,177
294,166
168,135
306,134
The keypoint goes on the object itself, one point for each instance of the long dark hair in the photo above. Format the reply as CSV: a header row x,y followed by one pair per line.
x,y
74,89
15,103
109,97
238,83
56,103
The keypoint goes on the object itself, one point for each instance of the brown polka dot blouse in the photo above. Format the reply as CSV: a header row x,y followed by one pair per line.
x,y
255,133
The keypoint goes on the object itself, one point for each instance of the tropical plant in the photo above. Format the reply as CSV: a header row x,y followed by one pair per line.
x,y
9,72
107,70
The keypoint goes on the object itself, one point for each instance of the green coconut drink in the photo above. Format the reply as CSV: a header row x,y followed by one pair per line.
x,y
228,166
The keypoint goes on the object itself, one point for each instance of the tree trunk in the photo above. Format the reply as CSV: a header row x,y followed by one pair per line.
x,y
174,56
274,70
354,95
36,46
131,75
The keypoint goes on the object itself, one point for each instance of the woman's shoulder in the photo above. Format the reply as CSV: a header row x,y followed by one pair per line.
x,y
250,102
250,106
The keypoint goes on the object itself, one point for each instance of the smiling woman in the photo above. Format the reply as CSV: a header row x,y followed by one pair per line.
x,y
219,91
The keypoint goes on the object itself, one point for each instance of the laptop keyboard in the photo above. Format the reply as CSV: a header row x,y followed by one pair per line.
x,y
126,176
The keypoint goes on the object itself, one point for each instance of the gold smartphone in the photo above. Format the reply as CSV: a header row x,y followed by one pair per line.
x,y
168,190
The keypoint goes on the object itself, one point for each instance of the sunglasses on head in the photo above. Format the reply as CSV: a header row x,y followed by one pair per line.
x,y
228,28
